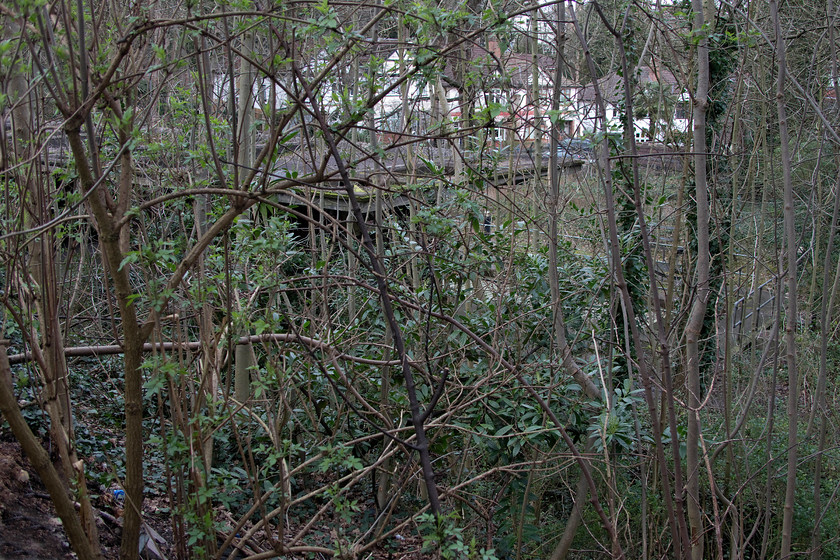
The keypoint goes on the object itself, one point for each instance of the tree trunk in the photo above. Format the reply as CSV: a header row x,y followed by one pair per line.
x,y
133,339
820,410
697,314
791,275
40,459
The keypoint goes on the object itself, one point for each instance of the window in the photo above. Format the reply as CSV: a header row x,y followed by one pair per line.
x,y
682,110
496,135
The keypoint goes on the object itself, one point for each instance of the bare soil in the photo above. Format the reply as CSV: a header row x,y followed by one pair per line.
x,y
29,527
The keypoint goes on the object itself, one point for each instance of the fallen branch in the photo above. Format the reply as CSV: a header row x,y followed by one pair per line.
x,y
113,349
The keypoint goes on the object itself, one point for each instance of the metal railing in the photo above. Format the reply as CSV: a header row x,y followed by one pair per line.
x,y
747,313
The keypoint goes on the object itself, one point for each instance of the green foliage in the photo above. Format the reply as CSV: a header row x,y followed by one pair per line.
x,y
614,428
442,536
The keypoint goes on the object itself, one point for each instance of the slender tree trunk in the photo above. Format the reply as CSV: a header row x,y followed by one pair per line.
x,y
535,80
697,314
42,275
244,358
791,275
820,410
573,522
554,170
673,502
559,325
109,238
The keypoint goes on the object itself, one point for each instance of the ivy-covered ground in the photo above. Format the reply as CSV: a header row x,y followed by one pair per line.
x,y
31,530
